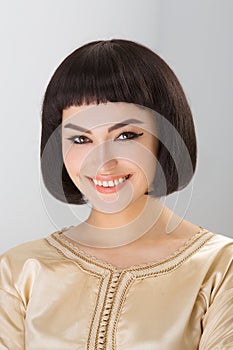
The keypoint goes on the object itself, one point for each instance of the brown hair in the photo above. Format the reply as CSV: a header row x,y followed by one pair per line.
x,y
116,70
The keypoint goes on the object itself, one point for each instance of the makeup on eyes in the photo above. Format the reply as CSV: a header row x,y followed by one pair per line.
x,y
133,136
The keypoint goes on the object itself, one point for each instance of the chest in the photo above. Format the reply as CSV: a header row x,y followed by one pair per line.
x,y
114,310
125,257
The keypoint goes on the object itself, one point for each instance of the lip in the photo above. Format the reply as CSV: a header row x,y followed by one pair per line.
x,y
106,190
108,177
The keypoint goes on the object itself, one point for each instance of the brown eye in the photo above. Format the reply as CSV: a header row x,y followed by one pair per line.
x,y
128,135
80,139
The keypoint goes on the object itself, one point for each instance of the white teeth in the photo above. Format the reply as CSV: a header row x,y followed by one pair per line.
x,y
111,183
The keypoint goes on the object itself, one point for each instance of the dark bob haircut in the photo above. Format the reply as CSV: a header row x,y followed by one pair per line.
x,y
116,70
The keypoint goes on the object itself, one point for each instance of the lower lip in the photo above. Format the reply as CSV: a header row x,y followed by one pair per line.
x,y
113,189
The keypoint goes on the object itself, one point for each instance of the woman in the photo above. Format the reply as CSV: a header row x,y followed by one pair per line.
x,y
133,275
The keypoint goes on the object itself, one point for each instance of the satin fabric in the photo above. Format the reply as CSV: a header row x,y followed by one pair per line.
x,y
54,296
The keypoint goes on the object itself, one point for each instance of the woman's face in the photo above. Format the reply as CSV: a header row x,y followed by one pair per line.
x,y
109,151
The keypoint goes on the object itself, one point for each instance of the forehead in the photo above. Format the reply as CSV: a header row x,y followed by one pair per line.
x,y
93,116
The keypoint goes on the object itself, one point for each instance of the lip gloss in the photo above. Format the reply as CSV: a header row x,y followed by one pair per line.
x,y
112,189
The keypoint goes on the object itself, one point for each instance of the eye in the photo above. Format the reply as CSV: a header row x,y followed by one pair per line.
x,y
129,135
79,139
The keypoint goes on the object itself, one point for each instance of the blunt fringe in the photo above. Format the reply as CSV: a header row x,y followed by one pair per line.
x,y
115,70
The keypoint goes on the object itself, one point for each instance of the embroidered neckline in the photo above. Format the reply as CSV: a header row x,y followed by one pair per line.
x,y
192,244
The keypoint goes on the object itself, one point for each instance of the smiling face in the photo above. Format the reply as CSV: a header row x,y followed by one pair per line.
x,y
109,151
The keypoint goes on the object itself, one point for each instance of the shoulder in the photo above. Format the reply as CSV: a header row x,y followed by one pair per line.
x,y
31,249
217,251
216,262
220,243
28,255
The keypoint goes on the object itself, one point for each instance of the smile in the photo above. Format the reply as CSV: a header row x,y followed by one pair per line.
x,y
109,185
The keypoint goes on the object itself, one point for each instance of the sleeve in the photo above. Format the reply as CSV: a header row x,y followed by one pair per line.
x,y
218,324
12,312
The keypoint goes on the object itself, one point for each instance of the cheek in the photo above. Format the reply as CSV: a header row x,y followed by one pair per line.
x,y
143,159
73,160
150,160
147,171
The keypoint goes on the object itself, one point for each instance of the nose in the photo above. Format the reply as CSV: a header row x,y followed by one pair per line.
x,y
105,158
108,167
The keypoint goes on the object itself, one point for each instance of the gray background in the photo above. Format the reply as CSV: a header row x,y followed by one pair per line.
x,y
195,39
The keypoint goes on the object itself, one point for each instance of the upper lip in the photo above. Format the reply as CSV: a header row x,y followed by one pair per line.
x,y
108,177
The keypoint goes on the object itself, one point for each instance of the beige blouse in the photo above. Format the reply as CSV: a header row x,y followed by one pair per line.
x,y
55,296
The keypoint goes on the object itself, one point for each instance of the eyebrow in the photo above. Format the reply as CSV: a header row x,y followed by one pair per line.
x,y
114,127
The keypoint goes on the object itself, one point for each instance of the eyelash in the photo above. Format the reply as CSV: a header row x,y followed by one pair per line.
x,y
135,135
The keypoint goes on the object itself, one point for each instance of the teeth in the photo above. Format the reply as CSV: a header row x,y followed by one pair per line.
x,y
109,183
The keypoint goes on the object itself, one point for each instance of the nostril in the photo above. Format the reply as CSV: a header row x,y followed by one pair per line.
x,y
109,165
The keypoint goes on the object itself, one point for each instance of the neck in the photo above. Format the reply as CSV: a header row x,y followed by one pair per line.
x,y
142,222
113,230
123,218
